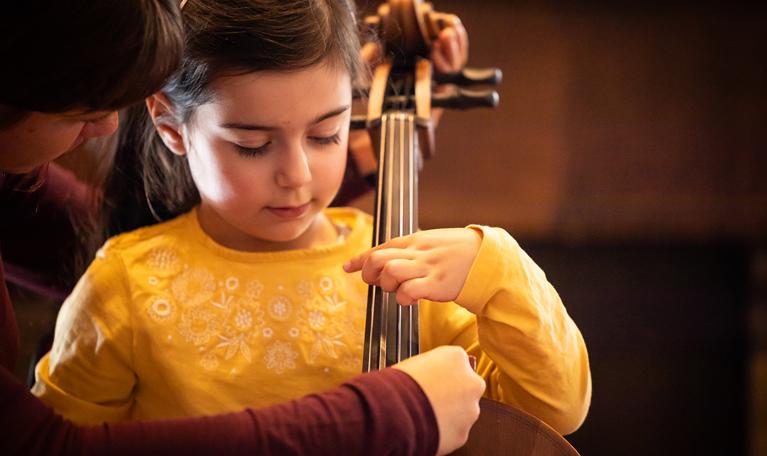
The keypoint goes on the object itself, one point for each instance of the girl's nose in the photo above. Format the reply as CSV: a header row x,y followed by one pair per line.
x,y
103,126
294,169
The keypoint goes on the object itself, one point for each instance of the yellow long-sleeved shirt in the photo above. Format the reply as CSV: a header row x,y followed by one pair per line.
x,y
167,323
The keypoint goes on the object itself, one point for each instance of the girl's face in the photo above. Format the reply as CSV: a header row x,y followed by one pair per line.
x,y
41,137
268,154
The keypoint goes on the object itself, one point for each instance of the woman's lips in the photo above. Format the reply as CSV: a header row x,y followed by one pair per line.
x,y
290,212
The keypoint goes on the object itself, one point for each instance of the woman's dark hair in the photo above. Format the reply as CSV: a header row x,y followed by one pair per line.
x,y
223,37
87,55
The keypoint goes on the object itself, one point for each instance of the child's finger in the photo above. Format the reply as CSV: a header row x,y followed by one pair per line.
x,y
397,271
411,291
378,259
373,260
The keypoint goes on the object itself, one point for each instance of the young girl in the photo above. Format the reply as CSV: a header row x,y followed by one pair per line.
x,y
243,297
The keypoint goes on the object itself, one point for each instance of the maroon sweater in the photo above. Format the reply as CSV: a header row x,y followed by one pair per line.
x,y
374,414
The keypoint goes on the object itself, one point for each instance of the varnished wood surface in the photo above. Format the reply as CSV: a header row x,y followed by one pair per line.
x,y
504,430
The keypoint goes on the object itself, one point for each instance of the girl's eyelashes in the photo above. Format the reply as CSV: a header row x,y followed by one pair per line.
x,y
252,151
261,150
324,140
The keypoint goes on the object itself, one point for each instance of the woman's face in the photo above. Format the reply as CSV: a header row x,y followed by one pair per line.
x,y
41,137
268,154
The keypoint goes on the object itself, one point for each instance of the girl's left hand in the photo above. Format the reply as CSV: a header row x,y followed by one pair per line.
x,y
431,264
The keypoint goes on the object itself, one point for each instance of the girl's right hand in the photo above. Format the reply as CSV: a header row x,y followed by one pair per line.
x,y
453,388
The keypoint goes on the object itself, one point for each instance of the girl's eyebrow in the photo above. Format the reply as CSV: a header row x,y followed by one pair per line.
x,y
244,126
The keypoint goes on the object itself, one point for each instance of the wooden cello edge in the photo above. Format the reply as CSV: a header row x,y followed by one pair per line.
x,y
502,429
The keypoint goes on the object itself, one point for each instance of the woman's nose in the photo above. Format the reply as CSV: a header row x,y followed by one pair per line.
x,y
103,126
294,170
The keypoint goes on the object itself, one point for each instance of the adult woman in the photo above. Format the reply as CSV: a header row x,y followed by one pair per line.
x,y
63,88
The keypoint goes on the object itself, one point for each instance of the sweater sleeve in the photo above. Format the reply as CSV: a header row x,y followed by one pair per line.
x,y
529,350
378,413
88,376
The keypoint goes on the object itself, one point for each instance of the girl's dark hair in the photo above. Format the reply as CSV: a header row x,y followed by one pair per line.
x,y
83,54
223,37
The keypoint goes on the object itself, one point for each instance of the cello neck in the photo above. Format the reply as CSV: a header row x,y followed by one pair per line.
x,y
391,330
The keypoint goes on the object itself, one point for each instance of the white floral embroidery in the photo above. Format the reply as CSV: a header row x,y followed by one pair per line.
x,y
194,286
209,361
224,302
304,289
326,284
160,309
268,332
280,356
294,332
198,325
234,345
243,320
253,289
163,259
334,302
232,283
280,308
324,344
316,319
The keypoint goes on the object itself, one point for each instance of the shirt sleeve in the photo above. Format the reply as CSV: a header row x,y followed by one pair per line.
x,y
379,413
529,350
88,375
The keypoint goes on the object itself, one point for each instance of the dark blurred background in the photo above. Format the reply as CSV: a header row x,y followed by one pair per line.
x,y
628,157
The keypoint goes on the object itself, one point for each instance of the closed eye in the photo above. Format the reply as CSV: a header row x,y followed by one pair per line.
x,y
252,151
325,140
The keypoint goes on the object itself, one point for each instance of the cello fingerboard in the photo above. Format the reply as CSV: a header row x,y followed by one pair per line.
x,y
391,330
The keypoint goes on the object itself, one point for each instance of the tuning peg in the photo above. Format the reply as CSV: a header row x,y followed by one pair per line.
x,y
465,99
470,77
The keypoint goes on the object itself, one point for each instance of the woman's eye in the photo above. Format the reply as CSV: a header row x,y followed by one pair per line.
x,y
324,140
252,151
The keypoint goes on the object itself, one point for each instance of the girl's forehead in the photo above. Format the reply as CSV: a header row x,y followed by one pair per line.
x,y
281,95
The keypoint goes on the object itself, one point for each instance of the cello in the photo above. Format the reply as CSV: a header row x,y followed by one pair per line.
x,y
399,120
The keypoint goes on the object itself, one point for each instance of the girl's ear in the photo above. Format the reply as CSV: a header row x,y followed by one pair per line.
x,y
161,111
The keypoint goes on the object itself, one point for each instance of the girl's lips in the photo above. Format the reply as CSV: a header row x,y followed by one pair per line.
x,y
290,212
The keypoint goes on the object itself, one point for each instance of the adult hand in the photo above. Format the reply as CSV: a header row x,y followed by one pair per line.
x,y
453,389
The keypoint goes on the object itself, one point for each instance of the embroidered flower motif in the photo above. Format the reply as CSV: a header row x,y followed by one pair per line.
x,y
194,286
209,361
268,332
280,356
243,319
316,319
232,283
198,325
234,345
325,344
304,289
224,302
334,302
163,259
280,308
160,309
326,284
253,289
294,332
